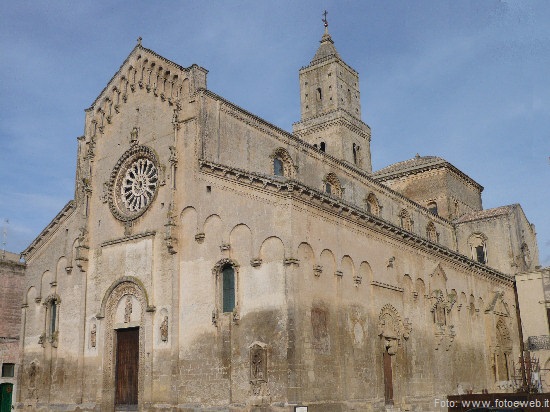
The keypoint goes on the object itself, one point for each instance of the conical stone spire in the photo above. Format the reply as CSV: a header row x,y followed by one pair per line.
x,y
326,49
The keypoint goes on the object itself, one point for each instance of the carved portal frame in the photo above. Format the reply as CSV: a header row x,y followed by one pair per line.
x,y
119,290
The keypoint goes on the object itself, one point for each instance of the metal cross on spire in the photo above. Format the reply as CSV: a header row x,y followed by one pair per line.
x,y
325,21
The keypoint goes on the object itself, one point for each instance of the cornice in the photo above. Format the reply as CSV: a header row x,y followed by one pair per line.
x,y
67,210
346,210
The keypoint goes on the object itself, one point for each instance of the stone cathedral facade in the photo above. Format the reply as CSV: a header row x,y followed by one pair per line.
x,y
210,260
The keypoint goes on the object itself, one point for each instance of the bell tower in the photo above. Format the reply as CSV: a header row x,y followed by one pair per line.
x,y
331,107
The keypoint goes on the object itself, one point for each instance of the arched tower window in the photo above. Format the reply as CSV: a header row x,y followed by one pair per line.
x,y
322,146
373,207
478,247
332,185
228,291
319,94
432,207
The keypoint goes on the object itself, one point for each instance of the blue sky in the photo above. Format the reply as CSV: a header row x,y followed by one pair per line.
x,y
465,80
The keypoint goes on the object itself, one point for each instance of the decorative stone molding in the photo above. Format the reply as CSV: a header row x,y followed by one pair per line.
x,y
391,329
317,270
256,262
291,261
352,213
215,317
171,238
199,237
357,279
224,247
339,274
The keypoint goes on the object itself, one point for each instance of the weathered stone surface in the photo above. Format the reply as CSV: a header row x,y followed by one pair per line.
x,y
175,185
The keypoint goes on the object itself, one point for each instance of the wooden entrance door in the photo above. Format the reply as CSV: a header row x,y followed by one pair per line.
x,y
6,390
127,365
388,379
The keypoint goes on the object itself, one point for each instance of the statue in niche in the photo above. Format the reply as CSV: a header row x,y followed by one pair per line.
x,y
164,329
128,309
258,369
93,334
257,365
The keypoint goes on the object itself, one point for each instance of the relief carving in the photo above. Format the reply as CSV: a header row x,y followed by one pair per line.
x,y
128,309
391,329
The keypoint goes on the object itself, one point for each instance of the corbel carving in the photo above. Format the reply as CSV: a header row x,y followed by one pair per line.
x,y
291,261
256,262
199,237
317,270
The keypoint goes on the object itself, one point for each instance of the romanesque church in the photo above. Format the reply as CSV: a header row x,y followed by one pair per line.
x,y
211,260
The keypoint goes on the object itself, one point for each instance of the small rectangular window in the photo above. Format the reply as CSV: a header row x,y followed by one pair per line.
x,y
8,370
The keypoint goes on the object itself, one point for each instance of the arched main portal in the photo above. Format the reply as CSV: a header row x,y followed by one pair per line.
x,y
124,309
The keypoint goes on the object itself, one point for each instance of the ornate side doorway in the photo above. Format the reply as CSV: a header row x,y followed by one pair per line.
x,y
127,367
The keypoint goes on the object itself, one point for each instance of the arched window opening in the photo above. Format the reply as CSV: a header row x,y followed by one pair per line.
x,y
373,207
319,94
278,169
432,207
332,185
323,146
228,293
478,247
282,163
53,315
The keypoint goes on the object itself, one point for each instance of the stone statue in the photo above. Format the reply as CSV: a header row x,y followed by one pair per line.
x,y
93,334
164,329
128,309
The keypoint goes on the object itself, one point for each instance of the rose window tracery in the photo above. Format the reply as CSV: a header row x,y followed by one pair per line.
x,y
134,183
139,185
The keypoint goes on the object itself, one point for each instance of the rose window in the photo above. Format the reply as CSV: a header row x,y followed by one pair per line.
x,y
139,185
134,183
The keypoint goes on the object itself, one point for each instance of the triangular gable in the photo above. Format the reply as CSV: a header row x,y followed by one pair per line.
x,y
147,70
498,306
438,279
